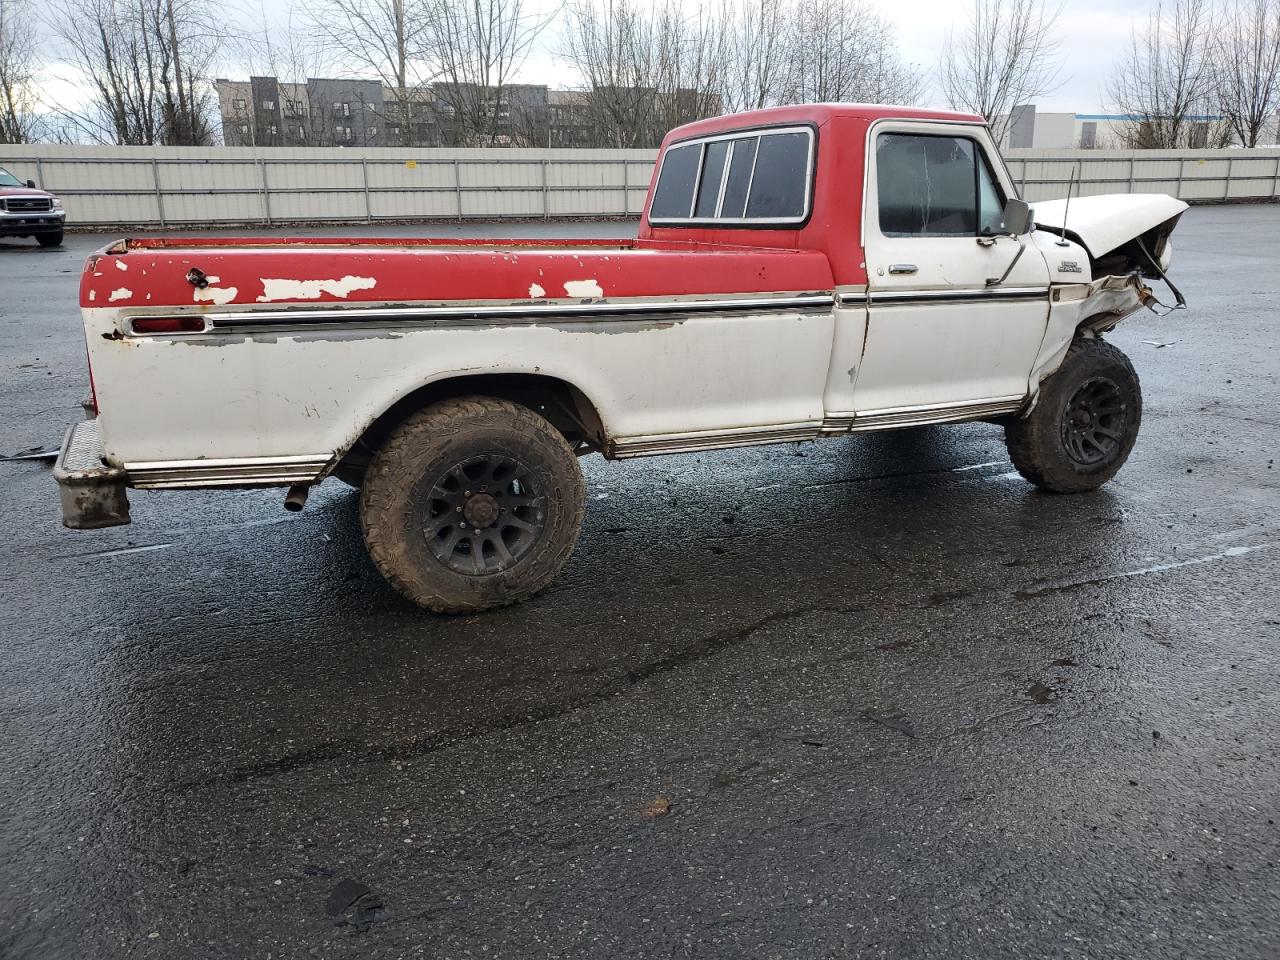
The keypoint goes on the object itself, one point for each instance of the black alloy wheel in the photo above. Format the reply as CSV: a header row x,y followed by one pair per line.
x,y
1093,422
485,514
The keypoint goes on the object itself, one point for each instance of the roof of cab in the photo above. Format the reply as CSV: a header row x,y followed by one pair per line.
x,y
816,113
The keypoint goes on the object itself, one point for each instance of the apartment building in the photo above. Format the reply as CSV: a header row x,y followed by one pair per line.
x,y
331,112
264,112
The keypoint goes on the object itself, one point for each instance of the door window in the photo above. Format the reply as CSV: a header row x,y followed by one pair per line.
x,y
935,186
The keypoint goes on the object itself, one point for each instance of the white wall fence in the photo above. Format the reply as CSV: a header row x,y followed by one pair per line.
x,y
175,186
1197,176
185,186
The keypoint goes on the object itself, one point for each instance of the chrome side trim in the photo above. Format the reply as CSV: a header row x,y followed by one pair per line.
x,y
832,425
644,446
515,313
239,472
896,298
890,417
893,298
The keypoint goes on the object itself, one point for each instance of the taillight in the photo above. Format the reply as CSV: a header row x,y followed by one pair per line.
x,y
167,324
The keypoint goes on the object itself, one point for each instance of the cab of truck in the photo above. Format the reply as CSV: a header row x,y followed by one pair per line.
x,y
944,277
28,211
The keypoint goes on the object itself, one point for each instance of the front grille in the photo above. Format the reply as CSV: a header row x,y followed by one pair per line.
x,y
28,204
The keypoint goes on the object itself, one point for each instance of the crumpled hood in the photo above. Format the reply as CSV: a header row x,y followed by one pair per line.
x,y
1104,223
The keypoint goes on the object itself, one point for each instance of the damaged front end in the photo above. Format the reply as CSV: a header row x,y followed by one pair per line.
x,y
1108,300
1127,240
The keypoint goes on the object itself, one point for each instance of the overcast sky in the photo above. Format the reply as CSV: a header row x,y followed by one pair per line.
x,y
1093,35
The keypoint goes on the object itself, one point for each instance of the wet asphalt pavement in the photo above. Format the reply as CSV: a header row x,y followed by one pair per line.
x,y
870,697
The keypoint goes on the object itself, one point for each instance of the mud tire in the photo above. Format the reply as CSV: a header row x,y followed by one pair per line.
x,y
406,477
1046,446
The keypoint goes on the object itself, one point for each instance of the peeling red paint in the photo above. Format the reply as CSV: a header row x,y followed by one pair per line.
x,y
440,271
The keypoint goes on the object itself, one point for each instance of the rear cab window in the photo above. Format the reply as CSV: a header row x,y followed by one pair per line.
x,y
747,178
934,185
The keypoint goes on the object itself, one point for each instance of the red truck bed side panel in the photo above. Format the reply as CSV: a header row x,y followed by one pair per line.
x,y
247,272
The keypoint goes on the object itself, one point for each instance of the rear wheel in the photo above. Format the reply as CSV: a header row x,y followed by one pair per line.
x,y
49,239
1084,424
472,503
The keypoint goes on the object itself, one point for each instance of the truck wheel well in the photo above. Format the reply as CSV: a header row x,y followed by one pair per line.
x,y
565,406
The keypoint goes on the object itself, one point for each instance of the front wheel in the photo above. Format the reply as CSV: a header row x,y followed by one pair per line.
x,y
1084,424
49,239
472,503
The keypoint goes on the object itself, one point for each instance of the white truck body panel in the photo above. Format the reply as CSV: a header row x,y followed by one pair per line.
x,y
305,397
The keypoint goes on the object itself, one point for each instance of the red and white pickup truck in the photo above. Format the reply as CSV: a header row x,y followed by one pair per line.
x,y
799,272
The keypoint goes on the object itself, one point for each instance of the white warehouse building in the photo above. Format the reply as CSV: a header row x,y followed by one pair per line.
x,y
1031,129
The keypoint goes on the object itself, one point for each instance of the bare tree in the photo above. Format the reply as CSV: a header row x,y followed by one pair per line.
x,y
758,51
851,58
147,63
691,64
1004,55
1164,81
886,78
18,114
1246,68
390,39
611,45
480,45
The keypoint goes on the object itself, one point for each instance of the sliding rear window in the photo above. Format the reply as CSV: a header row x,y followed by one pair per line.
x,y
747,178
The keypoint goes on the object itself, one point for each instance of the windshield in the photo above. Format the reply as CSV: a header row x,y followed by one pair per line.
x,y
7,179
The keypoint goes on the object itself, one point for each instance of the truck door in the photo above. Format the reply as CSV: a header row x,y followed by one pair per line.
x,y
954,323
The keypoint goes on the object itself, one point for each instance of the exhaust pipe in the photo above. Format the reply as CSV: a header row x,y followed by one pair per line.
x,y
296,498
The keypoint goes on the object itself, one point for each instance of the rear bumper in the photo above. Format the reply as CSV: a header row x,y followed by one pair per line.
x,y
92,492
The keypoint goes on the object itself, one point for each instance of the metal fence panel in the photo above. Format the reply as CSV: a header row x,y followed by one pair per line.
x,y
177,186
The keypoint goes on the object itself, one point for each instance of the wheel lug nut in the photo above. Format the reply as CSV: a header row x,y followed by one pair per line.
x,y
459,509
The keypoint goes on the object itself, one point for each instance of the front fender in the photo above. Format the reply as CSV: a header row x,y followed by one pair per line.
x,y
1084,309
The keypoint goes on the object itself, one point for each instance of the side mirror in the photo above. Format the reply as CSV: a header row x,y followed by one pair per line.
x,y
31,184
1017,217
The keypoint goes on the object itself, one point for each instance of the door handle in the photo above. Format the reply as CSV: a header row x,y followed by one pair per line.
x,y
902,268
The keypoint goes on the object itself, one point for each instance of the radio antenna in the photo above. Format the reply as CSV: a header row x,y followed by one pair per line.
x,y
1075,178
